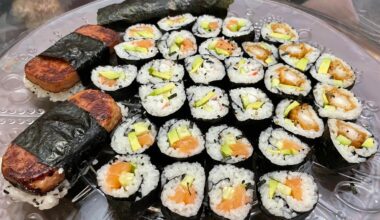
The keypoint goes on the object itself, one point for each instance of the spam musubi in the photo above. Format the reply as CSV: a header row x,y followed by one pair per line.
x,y
207,26
277,32
299,55
265,53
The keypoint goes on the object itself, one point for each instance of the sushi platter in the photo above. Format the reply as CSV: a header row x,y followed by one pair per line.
x,y
225,109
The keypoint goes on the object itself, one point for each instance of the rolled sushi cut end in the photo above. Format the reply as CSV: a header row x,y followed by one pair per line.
x,y
282,148
287,194
332,70
220,47
207,26
227,144
251,104
353,142
334,102
161,70
162,99
183,188
136,50
204,69
299,55
236,27
133,136
142,31
230,191
207,102
176,22
177,45
284,80
180,139
279,32
241,70
266,54
112,78
298,118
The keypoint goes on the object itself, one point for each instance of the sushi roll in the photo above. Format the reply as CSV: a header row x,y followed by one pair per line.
x,y
299,119
162,99
333,102
239,29
161,70
332,70
142,31
170,23
346,144
182,192
284,81
287,194
204,69
180,139
134,135
220,48
177,45
241,70
207,102
227,144
266,54
136,51
299,55
231,192
207,26
278,33
281,150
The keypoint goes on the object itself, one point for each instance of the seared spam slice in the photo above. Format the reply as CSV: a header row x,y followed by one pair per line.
x,y
108,36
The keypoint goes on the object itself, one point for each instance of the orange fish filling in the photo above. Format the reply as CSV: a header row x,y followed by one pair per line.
x,y
186,145
187,45
144,43
115,171
238,199
144,28
213,25
145,139
240,149
105,81
186,195
290,145
225,45
296,185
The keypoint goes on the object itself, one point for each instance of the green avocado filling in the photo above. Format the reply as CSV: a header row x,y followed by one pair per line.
x,y
290,107
162,75
325,99
324,66
250,105
140,128
279,187
241,66
125,178
219,51
112,75
197,63
269,60
343,140
225,149
134,141
187,181
175,47
165,89
302,64
236,27
369,142
132,48
280,36
177,134
227,192
145,34
204,100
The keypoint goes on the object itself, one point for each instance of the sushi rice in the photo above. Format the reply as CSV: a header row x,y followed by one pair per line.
x,y
160,70
177,45
112,78
207,26
176,22
266,54
299,55
204,69
243,70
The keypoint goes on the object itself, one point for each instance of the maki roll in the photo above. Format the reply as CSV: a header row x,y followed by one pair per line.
x,y
182,21
251,104
182,192
284,81
142,31
161,70
281,150
333,102
242,70
227,144
278,33
287,194
204,69
266,54
346,144
231,192
162,99
177,45
299,55
207,26
136,51
239,29
332,70
220,48
298,118
134,135
207,102
180,139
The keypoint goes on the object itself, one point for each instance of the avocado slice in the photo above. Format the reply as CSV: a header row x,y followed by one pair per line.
x,y
161,75
255,105
167,88
227,192
338,82
178,40
272,187
226,150
241,23
234,27
284,151
197,63
329,107
369,142
183,132
343,140
187,181
284,189
204,25
244,101
173,136
324,66
204,100
212,45
221,51
140,128
269,60
325,99
288,121
290,107
302,64
145,34
275,82
129,47
173,48
109,74
280,36
134,141
125,178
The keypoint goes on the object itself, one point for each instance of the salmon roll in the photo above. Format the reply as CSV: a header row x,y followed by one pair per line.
x,y
177,45
182,194
334,71
241,70
231,192
134,135
227,144
239,29
180,139
334,102
298,118
278,33
142,31
265,53
287,194
207,26
177,22
299,55
159,71
220,47
136,51
106,35
204,69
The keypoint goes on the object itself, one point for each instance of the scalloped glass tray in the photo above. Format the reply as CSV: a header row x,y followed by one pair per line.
x,y
354,194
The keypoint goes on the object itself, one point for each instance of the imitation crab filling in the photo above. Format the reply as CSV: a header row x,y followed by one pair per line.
x,y
265,53
299,55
